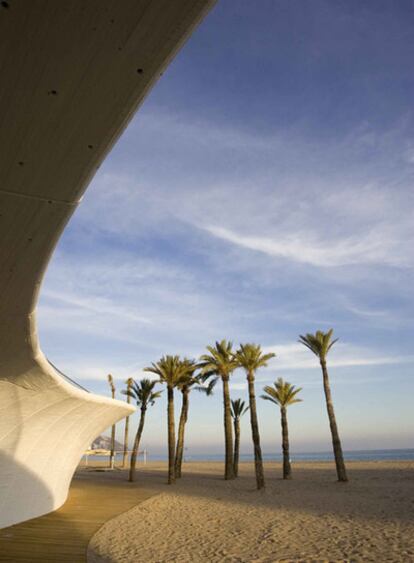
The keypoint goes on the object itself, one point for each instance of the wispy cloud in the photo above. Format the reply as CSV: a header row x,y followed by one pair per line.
x,y
279,200
301,248
94,369
190,262
98,305
296,356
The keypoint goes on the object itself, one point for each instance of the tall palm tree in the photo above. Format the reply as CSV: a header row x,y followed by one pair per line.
x,y
283,394
189,380
220,361
251,358
129,382
112,454
145,396
171,371
238,409
320,343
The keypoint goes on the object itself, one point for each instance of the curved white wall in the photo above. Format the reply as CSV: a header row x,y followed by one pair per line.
x,y
72,75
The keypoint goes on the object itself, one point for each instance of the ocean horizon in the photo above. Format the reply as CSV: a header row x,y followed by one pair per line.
x,y
406,454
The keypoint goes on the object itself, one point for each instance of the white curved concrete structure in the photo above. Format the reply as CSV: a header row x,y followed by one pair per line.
x,y
71,76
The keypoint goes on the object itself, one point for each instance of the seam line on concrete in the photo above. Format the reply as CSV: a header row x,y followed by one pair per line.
x,y
41,198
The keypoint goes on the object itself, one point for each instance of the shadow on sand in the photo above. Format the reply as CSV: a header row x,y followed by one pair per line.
x,y
313,489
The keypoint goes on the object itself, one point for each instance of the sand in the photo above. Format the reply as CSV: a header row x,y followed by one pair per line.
x,y
311,518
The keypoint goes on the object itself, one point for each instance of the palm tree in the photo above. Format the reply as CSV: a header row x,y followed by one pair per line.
x,y
283,394
251,358
220,361
129,382
112,454
145,396
238,409
320,343
172,371
185,387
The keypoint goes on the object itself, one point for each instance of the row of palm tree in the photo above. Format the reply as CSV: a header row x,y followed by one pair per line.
x,y
219,363
281,394
175,372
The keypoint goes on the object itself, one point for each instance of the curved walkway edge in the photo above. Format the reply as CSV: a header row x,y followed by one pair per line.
x,y
63,536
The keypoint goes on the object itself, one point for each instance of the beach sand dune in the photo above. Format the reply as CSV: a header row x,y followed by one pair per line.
x,y
311,518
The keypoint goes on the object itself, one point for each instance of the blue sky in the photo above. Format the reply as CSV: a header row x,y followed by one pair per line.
x,y
264,190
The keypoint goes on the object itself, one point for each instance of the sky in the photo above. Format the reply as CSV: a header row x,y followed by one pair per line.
x,y
263,190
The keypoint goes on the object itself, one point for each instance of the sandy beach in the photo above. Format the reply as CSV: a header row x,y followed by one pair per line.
x,y
311,518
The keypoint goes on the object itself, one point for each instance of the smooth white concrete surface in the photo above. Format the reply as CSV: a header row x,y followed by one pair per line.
x,y
71,76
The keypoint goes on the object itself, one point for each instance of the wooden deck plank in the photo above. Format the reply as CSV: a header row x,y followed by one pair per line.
x,y
62,536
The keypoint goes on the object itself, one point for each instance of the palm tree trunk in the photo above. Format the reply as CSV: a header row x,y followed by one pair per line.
x,y
228,431
287,470
112,454
124,459
258,461
171,436
181,430
336,442
236,422
136,446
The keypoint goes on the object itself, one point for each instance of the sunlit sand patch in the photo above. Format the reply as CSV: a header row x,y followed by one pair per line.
x,y
311,518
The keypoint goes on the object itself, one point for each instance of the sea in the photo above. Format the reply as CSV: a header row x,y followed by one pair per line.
x,y
351,455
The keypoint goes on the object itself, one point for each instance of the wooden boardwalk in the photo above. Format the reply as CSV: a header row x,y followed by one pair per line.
x,y
63,536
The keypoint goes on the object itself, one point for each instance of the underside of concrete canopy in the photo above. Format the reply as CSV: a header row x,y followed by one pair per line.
x,y
72,74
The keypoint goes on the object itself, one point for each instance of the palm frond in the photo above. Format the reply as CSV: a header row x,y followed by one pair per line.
x,y
267,398
188,378
143,392
111,383
171,370
282,393
220,361
238,408
251,357
209,389
319,343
